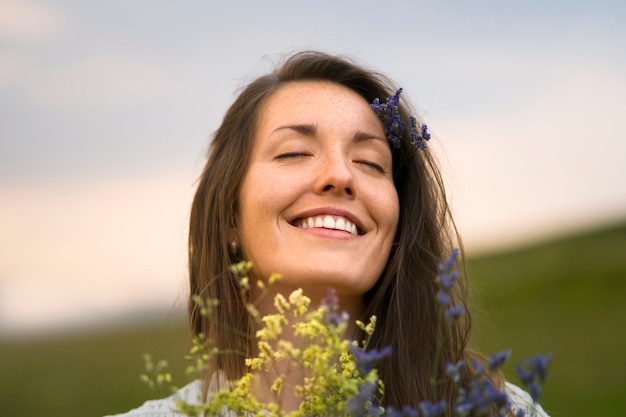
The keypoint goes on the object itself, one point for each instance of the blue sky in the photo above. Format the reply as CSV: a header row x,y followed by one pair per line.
x,y
106,110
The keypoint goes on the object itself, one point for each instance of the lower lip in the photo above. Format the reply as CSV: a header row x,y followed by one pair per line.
x,y
329,233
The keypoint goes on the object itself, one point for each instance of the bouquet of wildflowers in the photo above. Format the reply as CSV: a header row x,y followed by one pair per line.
x,y
339,376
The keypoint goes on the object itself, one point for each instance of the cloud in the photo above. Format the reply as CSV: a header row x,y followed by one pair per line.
x,y
23,20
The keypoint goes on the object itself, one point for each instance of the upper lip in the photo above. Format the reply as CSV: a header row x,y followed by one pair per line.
x,y
329,211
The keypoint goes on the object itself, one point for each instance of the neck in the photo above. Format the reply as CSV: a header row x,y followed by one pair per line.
x,y
294,375
353,305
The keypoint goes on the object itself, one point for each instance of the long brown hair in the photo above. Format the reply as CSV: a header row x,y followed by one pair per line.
x,y
404,297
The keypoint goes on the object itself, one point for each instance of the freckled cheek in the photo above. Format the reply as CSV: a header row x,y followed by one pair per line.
x,y
264,206
253,216
394,225
392,213
384,209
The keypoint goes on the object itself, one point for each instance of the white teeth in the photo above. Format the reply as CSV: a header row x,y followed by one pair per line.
x,y
329,222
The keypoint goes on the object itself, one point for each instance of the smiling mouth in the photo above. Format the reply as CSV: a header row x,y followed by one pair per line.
x,y
327,222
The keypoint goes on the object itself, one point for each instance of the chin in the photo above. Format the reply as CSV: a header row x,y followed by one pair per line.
x,y
320,281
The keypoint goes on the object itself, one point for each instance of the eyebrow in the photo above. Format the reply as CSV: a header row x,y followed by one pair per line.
x,y
308,129
361,136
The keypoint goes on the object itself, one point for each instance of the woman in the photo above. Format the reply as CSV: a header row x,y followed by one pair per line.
x,y
305,180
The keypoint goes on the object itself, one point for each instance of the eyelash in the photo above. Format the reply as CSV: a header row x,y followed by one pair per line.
x,y
296,155
291,155
372,165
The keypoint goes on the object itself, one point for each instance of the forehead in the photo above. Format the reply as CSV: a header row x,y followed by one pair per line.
x,y
314,87
314,99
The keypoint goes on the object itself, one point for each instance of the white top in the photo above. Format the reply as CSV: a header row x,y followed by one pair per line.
x,y
191,393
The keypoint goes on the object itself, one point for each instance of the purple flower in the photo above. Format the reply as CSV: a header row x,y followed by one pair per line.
x,y
367,360
533,373
389,114
534,389
445,279
405,412
429,409
540,365
418,136
450,262
453,370
331,301
443,298
425,133
496,360
478,367
453,313
448,275
363,404
481,395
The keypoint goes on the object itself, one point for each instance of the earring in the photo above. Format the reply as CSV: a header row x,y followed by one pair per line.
x,y
234,246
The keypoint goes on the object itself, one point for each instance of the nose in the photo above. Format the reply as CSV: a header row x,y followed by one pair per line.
x,y
335,176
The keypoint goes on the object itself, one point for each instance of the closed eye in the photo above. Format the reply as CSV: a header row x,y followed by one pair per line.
x,y
292,155
371,164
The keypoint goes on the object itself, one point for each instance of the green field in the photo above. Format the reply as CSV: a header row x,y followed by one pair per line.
x,y
566,296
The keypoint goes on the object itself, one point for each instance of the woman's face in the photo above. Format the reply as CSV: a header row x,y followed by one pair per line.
x,y
318,203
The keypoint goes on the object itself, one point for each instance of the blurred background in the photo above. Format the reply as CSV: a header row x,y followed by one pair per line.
x,y
107,110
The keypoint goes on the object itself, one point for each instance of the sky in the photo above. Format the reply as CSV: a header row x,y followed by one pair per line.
x,y
107,110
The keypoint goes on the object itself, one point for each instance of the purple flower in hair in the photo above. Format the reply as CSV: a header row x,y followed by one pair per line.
x,y
389,114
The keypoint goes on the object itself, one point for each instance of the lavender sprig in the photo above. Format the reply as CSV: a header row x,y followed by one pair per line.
x,y
394,126
496,360
445,280
533,373
367,360
479,397
363,404
453,371
429,409
331,302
